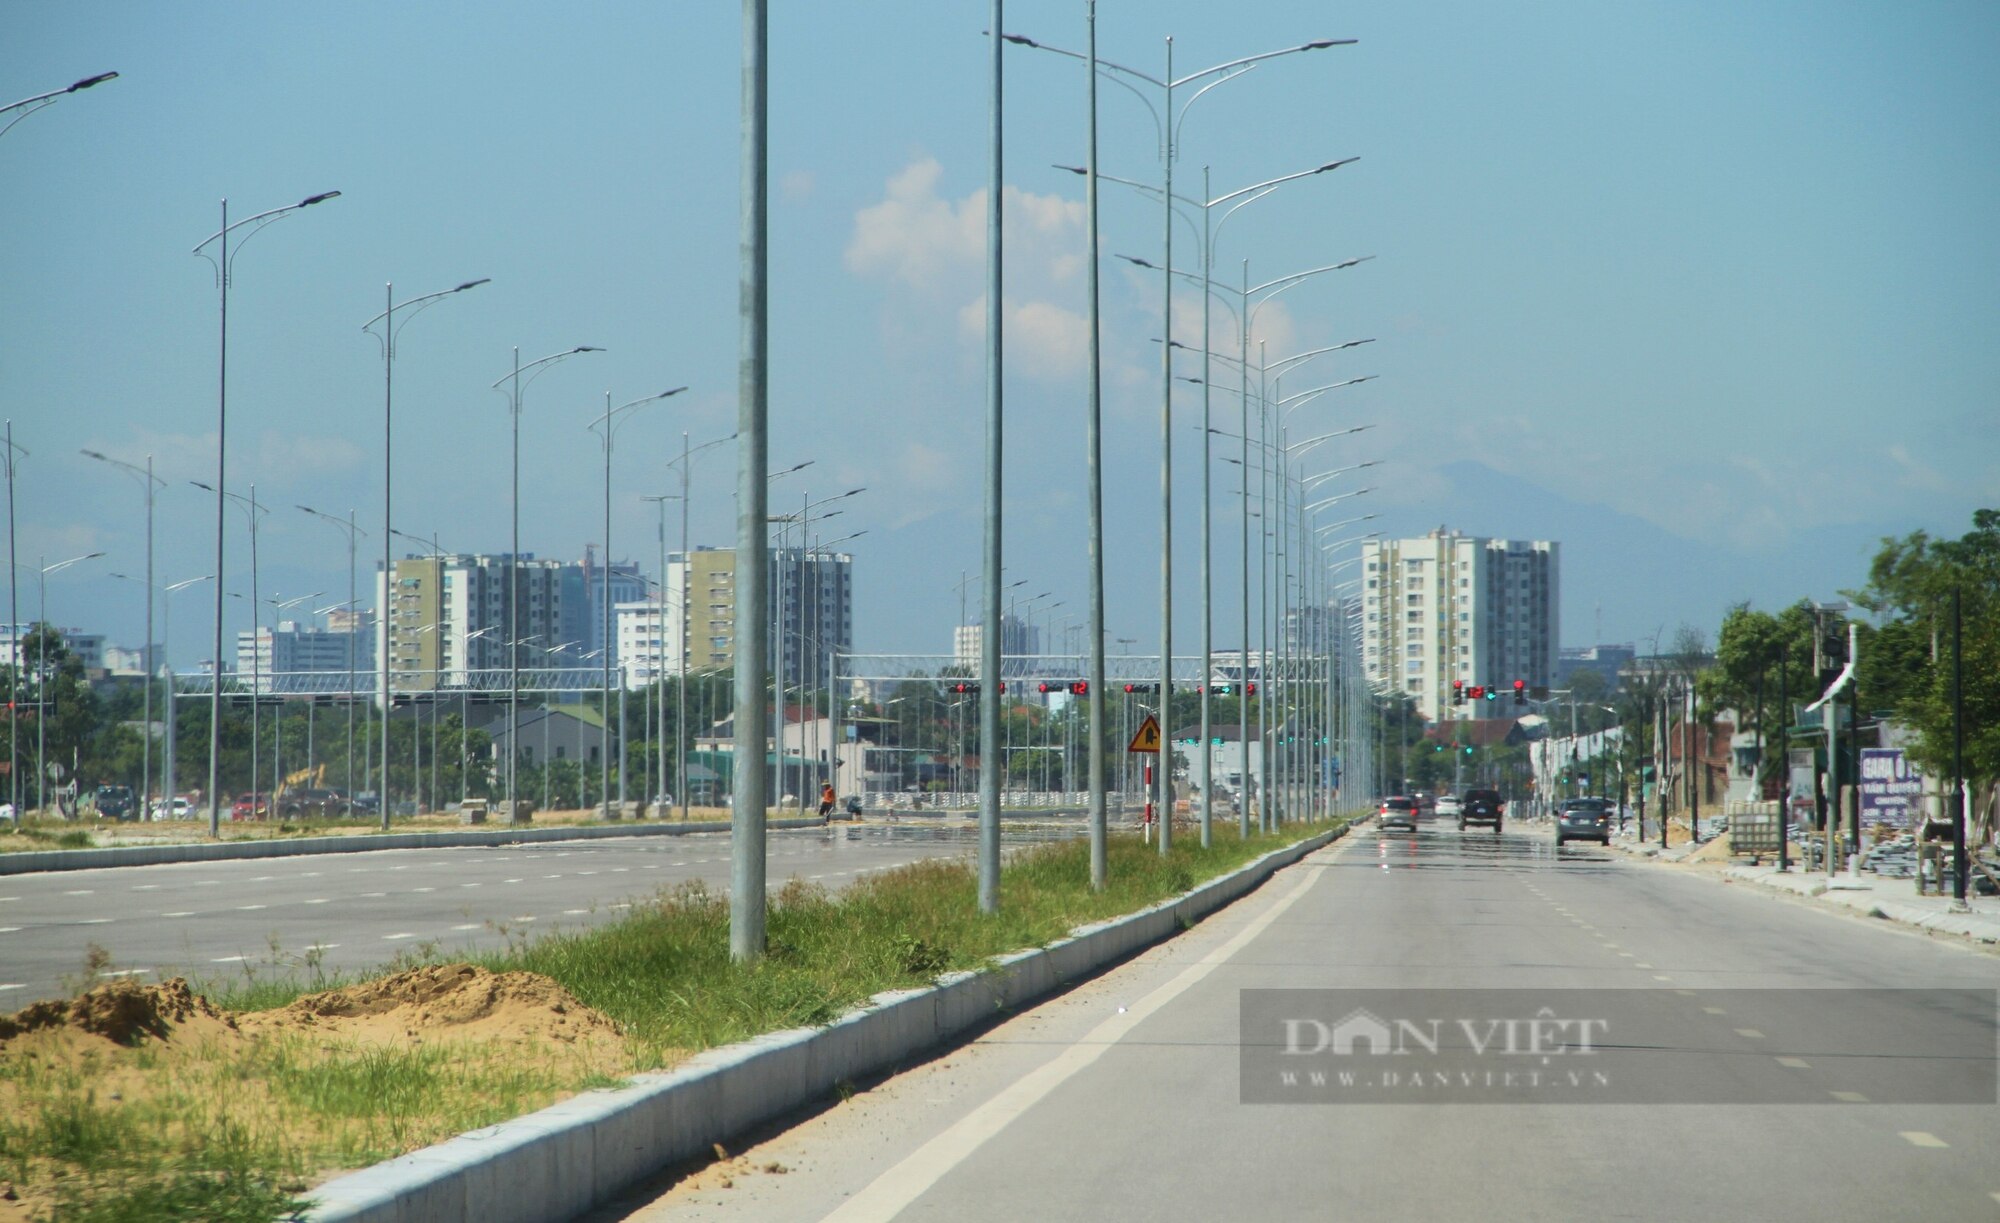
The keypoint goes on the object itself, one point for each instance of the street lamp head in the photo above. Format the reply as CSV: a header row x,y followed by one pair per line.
x,y
92,454
1138,262
88,81
473,284
1335,165
1348,263
321,198
586,348
1019,40
1321,44
1077,170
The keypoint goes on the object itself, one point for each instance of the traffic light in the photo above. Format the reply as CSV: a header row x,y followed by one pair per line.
x,y
1520,692
1477,692
1493,692
1064,685
1142,687
1223,689
965,689
1080,687
1458,692
1251,688
1468,749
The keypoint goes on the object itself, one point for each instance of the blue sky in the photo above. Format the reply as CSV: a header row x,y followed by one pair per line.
x,y
1710,284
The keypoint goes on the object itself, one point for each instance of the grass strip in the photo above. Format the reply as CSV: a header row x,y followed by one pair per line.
x,y
226,1132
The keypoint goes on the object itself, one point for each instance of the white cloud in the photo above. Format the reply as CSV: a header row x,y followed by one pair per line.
x,y
797,186
933,249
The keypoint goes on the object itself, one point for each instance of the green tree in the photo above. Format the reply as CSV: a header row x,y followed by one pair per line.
x,y
1911,588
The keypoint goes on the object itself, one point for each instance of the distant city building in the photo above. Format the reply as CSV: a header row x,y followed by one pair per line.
x,y
1608,661
86,648
1017,637
449,616
1458,607
293,648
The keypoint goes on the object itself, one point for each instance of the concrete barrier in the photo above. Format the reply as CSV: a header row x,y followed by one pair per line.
x,y
216,851
567,1159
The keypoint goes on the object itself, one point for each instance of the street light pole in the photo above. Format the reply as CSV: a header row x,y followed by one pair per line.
x,y
224,263
534,369
390,328
42,674
149,483
610,422
747,848
11,457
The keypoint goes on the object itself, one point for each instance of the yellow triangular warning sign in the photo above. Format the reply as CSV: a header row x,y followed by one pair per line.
x,y
1148,738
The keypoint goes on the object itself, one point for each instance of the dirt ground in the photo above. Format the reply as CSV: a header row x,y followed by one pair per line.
x,y
168,1059
178,831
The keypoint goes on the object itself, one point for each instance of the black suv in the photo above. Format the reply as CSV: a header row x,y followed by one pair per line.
x,y
1480,807
117,803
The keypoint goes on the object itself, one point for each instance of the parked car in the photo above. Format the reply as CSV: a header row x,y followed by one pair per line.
x,y
179,807
116,803
1398,811
316,800
1584,819
367,802
1480,807
251,806
1447,806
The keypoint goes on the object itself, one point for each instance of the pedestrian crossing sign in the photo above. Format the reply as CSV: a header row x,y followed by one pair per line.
x,y
1148,737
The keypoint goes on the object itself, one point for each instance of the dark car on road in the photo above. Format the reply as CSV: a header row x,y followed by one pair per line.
x,y
313,801
1480,807
1398,812
1584,819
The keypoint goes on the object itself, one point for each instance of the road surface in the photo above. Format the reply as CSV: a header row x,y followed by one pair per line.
x,y
1125,1098
223,919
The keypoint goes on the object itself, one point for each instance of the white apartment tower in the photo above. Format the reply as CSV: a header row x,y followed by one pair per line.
x,y
1458,607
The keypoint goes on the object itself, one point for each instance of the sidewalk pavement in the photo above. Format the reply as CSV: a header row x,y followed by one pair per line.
x,y
1870,895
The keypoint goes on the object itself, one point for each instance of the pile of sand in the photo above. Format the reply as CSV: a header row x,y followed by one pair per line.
x,y
443,1002
123,1012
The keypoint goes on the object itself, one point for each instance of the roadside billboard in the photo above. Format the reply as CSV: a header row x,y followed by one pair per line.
x,y
1892,791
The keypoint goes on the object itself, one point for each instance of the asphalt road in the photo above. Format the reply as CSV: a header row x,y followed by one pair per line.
x,y
1125,1098
222,919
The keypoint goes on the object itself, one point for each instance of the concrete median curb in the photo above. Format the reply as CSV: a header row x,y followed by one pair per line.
x,y
33,861
566,1159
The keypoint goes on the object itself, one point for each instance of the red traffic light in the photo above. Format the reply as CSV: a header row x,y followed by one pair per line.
x,y
1077,686
1478,691
1251,688
1142,687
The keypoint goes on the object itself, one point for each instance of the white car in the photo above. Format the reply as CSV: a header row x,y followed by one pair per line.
x,y
1447,806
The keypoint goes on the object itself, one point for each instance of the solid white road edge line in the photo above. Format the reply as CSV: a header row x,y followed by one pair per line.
x,y
888,1194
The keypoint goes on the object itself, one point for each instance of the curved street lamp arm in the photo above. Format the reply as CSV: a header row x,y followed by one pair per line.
x,y
41,101
260,221
133,469
540,364
388,336
342,523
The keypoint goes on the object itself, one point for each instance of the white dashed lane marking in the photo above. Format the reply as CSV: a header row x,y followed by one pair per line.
x,y
1795,1063
81,892
1917,1138
317,900
229,959
468,926
393,937
182,913
95,921
1849,1097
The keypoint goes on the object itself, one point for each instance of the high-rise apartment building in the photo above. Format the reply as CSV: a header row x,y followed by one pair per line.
x,y
1459,607
809,600
1017,637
